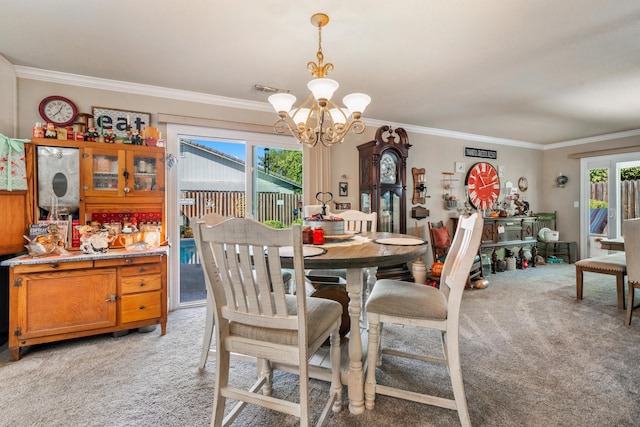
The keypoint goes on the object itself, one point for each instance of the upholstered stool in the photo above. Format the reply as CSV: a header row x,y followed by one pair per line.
x,y
615,265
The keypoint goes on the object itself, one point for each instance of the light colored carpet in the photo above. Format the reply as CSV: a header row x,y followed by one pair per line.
x,y
532,356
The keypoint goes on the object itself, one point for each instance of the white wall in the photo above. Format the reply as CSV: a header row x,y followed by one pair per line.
x,y
8,99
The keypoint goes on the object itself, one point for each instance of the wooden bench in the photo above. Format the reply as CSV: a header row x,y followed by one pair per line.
x,y
615,265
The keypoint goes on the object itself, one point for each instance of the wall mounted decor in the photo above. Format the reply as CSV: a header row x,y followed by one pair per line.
x,y
119,120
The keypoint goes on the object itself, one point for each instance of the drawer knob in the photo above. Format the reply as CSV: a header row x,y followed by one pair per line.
x,y
141,284
54,265
127,261
141,307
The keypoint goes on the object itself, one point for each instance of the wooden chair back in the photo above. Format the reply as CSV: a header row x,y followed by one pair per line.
x,y
460,258
243,257
546,220
631,230
357,221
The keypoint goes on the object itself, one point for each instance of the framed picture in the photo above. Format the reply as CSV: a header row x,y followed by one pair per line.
x,y
343,206
119,120
344,189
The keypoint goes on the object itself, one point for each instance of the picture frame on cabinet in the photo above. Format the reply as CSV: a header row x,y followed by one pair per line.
x,y
343,206
119,120
343,189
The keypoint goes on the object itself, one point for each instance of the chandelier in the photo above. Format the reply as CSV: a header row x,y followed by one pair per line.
x,y
319,118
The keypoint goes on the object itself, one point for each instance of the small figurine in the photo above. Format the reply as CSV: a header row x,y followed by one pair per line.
x,y
135,137
109,136
51,131
91,134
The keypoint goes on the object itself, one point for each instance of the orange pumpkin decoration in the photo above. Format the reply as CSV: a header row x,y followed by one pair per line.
x,y
436,268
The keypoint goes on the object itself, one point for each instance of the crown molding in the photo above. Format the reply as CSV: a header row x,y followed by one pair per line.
x,y
223,101
137,88
455,134
590,139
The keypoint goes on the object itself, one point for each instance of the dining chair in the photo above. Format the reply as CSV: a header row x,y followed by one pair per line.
x,y
412,304
631,229
441,244
255,316
210,219
358,222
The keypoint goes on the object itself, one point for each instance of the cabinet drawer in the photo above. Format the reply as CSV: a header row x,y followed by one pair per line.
x,y
141,306
142,269
141,283
53,266
510,234
116,262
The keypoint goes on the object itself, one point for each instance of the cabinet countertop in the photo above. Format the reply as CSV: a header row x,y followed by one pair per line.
x,y
80,256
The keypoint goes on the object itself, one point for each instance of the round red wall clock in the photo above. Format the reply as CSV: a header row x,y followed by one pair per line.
x,y
483,185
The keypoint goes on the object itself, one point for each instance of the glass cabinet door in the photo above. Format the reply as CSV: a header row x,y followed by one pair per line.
x,y
102,169
144,173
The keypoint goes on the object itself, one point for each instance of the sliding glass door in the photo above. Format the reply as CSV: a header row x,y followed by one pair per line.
x,y
231,173
610,194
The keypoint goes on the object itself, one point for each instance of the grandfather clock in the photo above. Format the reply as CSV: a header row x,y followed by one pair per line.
x,y
383,175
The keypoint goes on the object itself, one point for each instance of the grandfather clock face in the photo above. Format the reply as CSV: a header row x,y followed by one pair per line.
x,y
388,169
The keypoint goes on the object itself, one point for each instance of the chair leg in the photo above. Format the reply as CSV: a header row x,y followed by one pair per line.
x,y
455,370
336,382
208,334
222,380
579,277
372,359
620,290
304,394
630,296
264,371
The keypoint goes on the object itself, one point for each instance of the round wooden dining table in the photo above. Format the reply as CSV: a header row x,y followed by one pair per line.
x,y
379,249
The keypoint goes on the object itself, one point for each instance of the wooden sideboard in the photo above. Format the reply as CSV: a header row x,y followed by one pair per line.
x,y
507,232
62,297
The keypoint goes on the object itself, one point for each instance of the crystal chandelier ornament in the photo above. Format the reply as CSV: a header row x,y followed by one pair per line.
x,y
319,119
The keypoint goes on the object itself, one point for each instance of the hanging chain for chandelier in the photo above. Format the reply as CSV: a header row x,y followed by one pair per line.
x,y
319,119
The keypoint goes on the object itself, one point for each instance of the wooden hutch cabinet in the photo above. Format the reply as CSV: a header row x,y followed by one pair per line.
x,y
75,294
383,177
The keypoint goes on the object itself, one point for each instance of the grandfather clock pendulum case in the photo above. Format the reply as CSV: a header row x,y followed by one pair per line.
x,y
383,176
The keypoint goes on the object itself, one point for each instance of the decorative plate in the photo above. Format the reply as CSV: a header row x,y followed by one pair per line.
x,y
523,184
400,241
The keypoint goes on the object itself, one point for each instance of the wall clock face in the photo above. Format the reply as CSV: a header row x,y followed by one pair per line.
x,y
388,167
523,184
58,110
483,185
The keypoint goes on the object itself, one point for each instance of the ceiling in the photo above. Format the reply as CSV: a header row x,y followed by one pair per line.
x,y
538,71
